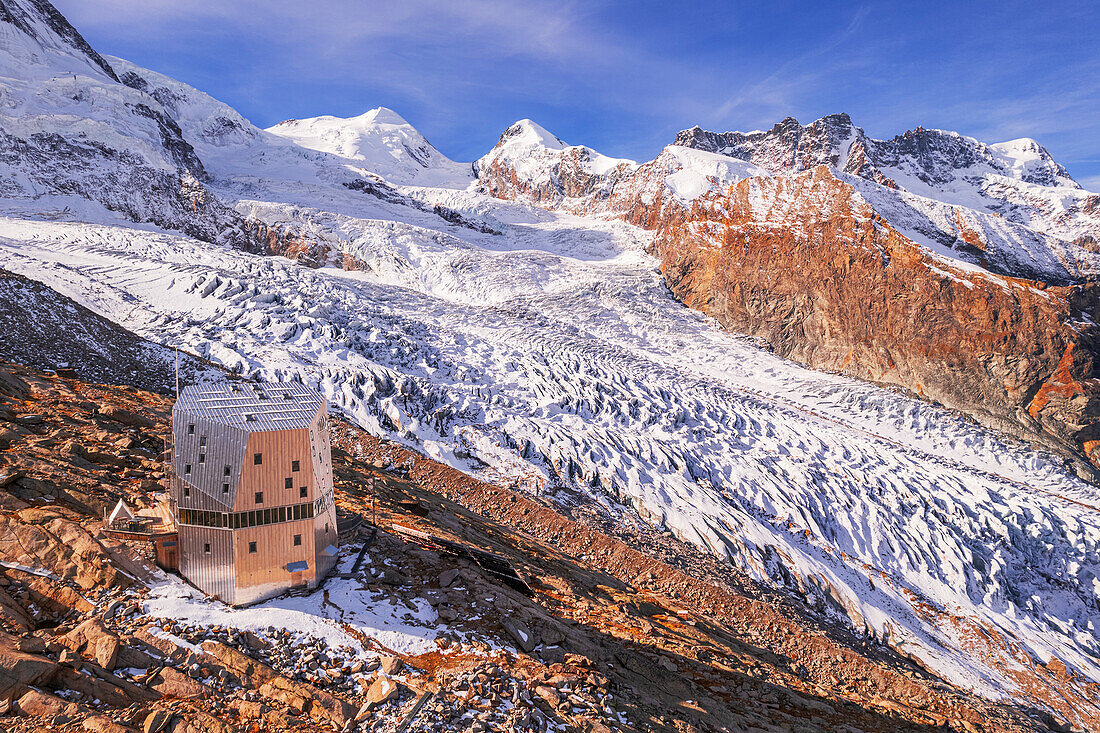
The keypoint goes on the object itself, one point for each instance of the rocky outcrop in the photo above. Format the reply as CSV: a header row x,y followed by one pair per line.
x,y
808,266
933,156
20,670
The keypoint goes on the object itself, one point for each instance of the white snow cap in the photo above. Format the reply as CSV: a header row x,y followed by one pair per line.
x,y
529,133
381,141
381,116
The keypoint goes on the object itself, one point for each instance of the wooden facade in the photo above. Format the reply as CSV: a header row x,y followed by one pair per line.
x,y
252,481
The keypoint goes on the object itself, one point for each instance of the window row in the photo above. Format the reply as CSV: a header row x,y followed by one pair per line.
x,y
252,546
257,460
241,520
258,497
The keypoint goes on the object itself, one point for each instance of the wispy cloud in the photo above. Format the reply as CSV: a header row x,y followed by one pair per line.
x,y
778,93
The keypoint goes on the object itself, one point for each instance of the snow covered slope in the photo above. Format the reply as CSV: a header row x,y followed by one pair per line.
x,y
556,358
550,354
42,329
383,143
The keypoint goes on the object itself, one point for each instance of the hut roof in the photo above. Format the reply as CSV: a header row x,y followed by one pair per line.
x,y
121,511
252,407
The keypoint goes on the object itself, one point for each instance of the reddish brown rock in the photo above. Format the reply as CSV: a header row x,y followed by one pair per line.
x,y
172,683
19,670
381,690
40,704
809,267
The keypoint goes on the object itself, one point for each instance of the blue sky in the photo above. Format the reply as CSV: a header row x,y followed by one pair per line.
x,y
624,77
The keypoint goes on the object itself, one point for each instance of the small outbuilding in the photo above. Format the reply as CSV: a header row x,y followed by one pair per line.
x,y
252,484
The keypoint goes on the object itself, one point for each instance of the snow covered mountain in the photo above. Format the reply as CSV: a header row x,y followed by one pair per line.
x,y
1027,216
982,267
384,142
539,345
530,163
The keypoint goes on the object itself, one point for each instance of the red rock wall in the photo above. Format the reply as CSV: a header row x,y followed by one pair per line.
x,y
808,266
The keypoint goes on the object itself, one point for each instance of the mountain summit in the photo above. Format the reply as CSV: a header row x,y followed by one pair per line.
x,y
380,140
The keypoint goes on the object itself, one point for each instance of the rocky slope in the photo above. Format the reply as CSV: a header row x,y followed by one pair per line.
x,y
89,642
971,282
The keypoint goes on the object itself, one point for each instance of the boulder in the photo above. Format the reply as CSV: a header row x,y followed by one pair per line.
x,y
170,682
19,670
550,695
106,652
126,417
381,690
40,704
95,641
131,657
525,638
448,577
103,724
157,721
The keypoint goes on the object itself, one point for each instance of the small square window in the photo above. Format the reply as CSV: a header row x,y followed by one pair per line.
x,y
295,466
187,491
191,429
225,488
289,483
228,471
206,548
251,548
259,497
257,459
297,540
202,458
202,440
303,492
187,468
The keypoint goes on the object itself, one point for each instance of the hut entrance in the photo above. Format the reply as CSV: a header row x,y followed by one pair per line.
x,y
297,571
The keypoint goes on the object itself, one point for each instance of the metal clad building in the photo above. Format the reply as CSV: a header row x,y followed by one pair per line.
x,y
252,483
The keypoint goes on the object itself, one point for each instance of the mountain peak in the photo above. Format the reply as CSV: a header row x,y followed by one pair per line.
x,y
382,116
379,140
528,132
41,33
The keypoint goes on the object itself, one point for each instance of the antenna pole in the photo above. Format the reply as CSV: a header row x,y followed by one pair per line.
x,y
177,374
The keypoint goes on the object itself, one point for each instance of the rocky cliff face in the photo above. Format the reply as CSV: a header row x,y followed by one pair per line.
x,y
803,236
806,264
